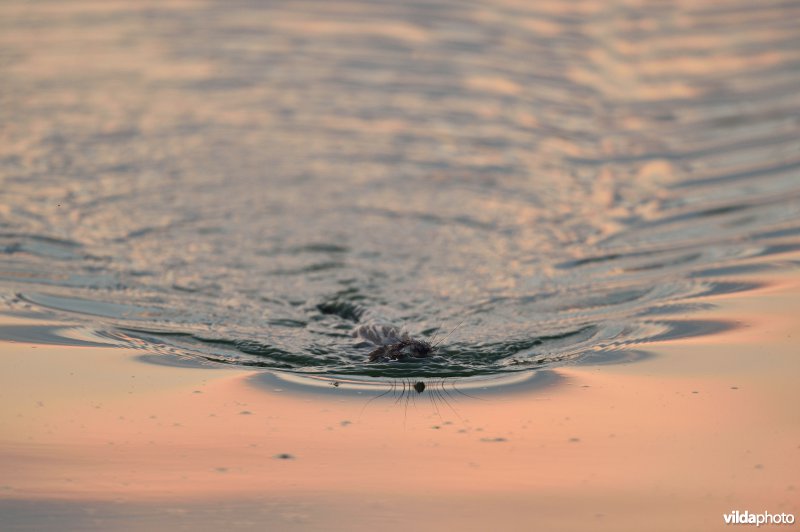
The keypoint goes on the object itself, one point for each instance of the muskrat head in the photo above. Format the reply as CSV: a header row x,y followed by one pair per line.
x,y
416,349
404,350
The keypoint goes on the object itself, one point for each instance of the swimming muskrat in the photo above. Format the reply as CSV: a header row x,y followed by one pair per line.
x,y
394,343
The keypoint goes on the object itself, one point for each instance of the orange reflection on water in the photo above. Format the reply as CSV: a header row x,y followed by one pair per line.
x,y
95,424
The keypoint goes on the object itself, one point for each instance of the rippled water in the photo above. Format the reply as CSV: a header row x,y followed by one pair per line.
x,y
246,181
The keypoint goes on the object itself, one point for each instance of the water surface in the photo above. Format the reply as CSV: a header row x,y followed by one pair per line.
x,y
244,181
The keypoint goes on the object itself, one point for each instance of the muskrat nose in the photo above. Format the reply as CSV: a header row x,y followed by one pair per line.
x,y
419,387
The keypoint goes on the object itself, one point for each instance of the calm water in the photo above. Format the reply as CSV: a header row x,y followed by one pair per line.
x,y
246,181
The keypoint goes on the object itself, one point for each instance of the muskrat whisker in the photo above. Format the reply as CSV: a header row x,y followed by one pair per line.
x,y
405,414
438,330
406,390
448,336
388,391
436,400
402,393
444,389
442,398
433,397
430,398
466,394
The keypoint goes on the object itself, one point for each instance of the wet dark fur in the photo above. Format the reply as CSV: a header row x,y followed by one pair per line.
x,y
405,349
